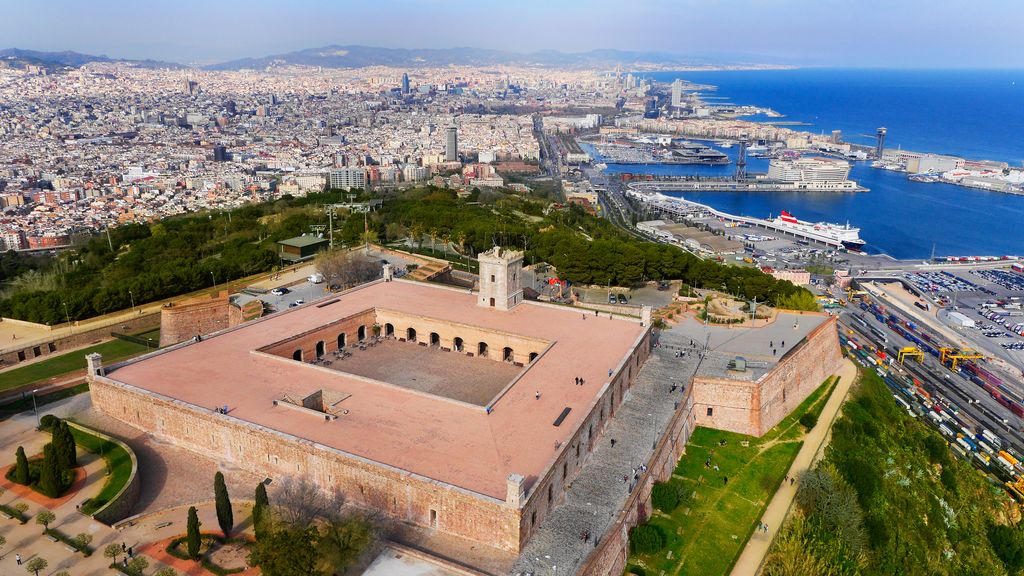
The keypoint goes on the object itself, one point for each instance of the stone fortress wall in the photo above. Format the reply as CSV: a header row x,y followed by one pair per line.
x,y
400,494
203,315
755,407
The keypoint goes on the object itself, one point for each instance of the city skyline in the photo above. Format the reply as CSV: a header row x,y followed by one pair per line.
x,y
909,35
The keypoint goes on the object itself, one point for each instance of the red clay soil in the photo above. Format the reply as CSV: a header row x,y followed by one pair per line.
x,y
44,501
158,551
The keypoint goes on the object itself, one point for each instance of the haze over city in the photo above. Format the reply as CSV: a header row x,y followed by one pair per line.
x,y
874,33
471,288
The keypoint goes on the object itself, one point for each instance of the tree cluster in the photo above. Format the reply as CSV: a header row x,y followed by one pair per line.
x,y
306,532
52,475
888,499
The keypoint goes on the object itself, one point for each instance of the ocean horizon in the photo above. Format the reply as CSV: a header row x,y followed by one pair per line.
x,y
897,217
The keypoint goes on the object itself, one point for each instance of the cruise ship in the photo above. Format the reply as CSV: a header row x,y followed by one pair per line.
x,y
835,234
817,174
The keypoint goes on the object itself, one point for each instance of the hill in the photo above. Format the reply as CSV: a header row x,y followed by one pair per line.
x,y
356,56
18,58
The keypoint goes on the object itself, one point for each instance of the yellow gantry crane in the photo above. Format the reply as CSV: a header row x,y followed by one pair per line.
x,y
912,351
955,356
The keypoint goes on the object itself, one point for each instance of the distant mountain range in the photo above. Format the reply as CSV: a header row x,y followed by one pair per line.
x,y
362,56
18,58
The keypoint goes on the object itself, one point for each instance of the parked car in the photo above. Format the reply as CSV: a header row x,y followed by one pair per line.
x,y
280,291
622,298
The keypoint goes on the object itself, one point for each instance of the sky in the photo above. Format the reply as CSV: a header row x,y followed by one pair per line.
x,y
858,33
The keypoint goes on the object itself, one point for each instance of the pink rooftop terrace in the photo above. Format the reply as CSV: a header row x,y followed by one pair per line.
x,y
458,444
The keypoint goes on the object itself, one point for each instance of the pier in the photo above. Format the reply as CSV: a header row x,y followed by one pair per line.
x,y
746,185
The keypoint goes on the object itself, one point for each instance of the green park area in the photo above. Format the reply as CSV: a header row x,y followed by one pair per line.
x,y
62,364
701,521
118,462
889,497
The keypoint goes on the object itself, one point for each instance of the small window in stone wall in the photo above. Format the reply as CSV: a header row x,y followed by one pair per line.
x,y
710,411
533,519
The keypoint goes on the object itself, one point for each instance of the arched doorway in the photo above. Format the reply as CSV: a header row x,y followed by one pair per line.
x,y
341,341
320,349
481,349
410,334
361,334
297,355
389,330
506,354
435,339
457,345
533,356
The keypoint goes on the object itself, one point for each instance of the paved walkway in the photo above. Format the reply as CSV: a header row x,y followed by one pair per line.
x,y
596,495
754,553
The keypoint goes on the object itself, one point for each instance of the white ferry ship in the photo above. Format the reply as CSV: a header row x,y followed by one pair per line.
x,y
835,234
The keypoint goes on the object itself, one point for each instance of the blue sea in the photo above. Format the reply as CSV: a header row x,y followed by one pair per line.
x,y
973,114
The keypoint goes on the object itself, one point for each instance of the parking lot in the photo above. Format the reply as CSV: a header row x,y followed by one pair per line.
x,y
1011,281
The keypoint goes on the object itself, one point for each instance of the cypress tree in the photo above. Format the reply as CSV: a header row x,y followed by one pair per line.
x,y
21,475
50,473
225,517
192,538
69,439
64,443
260,510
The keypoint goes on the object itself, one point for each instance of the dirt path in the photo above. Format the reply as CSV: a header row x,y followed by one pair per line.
x,y
754,553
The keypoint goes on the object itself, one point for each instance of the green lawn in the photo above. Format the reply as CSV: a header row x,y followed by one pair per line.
x,y
119,466
707,533
23,404
112,351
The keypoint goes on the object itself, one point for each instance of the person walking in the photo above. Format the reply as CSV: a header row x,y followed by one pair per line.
x,y
17,558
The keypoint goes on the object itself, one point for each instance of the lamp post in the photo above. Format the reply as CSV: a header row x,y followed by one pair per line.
x,y
132,297
214,281
35,409
66,315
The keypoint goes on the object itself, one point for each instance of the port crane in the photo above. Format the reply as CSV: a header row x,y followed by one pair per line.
x,y
910,351
955,356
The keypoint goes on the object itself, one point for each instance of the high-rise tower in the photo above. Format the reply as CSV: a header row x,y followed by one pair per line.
x,y
880,145
405,83
451,149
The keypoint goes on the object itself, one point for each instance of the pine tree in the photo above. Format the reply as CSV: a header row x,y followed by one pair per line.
x,y
225,517
192,538
50,473
260,511
21,475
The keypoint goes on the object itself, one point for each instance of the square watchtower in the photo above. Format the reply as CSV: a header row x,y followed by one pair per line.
x,y
501,278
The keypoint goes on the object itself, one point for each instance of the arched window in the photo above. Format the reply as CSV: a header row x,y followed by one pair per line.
x,y
457,345
410,334
435,339
361,334
389,329
481,349
507,354
341,341
320,349
297,355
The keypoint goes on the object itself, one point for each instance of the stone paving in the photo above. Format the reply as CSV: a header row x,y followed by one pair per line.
x,y
171,477
430,369
598,492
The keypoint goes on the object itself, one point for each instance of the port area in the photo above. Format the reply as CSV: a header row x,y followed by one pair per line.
x,y
752,183
646,149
